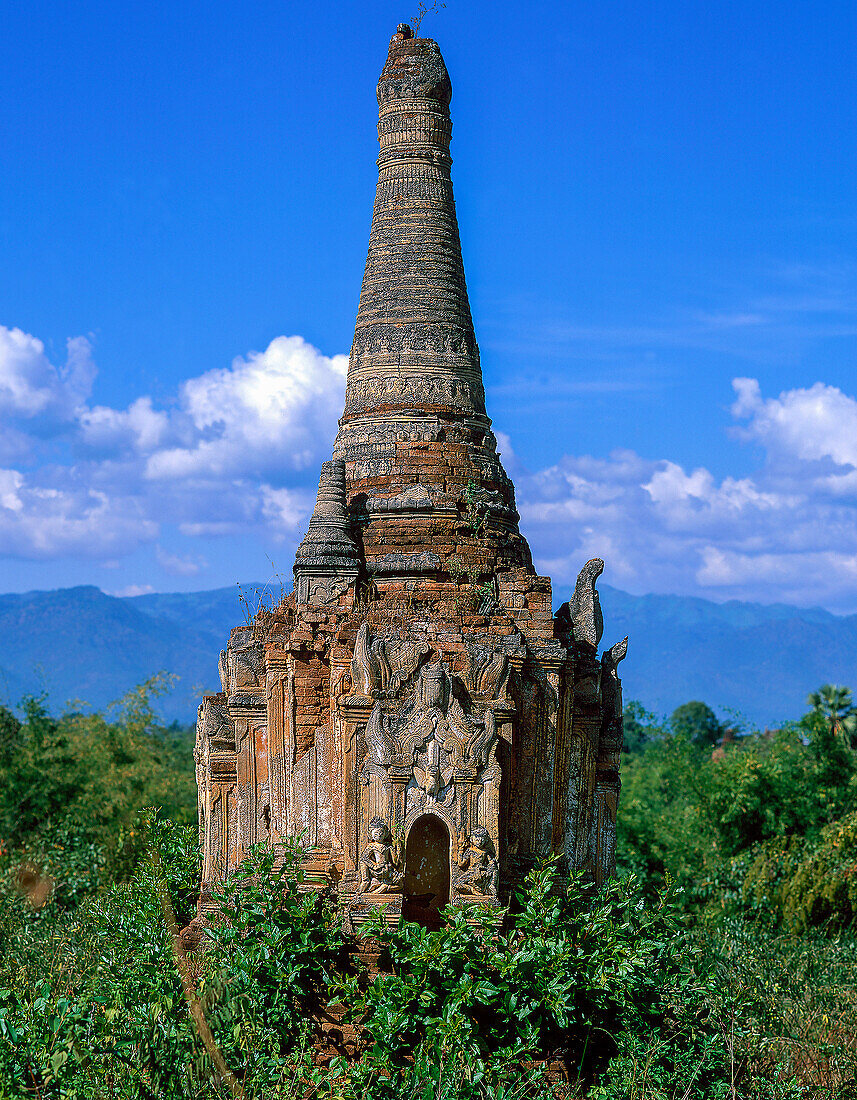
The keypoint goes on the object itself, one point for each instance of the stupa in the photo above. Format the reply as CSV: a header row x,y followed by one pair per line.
x,y
414,711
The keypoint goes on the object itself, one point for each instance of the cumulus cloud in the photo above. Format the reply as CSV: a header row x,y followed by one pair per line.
x,y
31,386
136,431
236,450
230,454
44,521
264,413
815,428
787,533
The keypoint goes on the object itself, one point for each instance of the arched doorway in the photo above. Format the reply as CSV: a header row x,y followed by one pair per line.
x,y
426,883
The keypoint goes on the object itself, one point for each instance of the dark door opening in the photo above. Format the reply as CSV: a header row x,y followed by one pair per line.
x,y
426,883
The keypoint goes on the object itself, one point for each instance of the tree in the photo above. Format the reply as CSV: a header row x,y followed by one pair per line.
x,y
639,727
696,722
10,734
834,706
92,771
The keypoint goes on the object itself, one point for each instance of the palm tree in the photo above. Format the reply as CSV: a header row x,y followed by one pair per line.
x,y
835,705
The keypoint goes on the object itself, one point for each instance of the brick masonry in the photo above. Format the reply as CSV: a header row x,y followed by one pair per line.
x,y
414,709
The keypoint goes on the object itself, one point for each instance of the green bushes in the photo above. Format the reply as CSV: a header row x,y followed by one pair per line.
x,y
760,833
584,978
688,810
807,883
91,771
580,977
273,956
90,999
735,982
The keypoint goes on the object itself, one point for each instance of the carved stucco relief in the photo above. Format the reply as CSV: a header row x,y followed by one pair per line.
x,y
429,743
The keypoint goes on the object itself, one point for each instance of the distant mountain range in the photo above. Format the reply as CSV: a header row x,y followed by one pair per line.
x,y
757,660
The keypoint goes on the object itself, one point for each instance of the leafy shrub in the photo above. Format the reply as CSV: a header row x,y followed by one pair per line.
x,y
687,811
274,952
90,997
90,772
577,978
806,883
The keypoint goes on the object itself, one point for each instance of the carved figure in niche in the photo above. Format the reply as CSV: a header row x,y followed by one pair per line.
x,y
380,864
438,727
481,870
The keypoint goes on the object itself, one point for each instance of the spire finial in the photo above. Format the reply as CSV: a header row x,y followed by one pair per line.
x,y
327,561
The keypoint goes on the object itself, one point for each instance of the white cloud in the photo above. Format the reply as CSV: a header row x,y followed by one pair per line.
x,y
284,509
10,486
787,533
266,412
138,430
504,449
42,521
132,590
222,459
805,424
236,453
177,565
31,386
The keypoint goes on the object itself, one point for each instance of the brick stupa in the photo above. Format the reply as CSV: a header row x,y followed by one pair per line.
x,y
414,710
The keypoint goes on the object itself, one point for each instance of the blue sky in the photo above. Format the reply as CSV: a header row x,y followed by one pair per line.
x,y
658,217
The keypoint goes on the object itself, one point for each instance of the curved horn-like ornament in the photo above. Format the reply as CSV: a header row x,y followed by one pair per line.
x,y
363,675
587,624
618,652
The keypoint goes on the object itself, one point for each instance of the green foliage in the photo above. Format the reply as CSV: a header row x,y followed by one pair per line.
x,y
806,883
789,1003
688,810
273,955
10,733
739,984
580,975
761,832
475,509
834,705
90,998
696,722
577,976
82,778
639,726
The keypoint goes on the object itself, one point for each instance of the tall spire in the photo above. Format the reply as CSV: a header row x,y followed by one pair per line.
x,y
414,435
414,341
443,702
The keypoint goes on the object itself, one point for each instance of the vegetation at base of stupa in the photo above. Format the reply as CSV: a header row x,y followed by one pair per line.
x,y
721,963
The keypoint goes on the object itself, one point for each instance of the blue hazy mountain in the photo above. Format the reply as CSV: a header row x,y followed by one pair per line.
x,y
758,660
754,661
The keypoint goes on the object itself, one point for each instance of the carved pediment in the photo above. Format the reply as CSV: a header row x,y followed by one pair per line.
x,y
384,665
429,731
